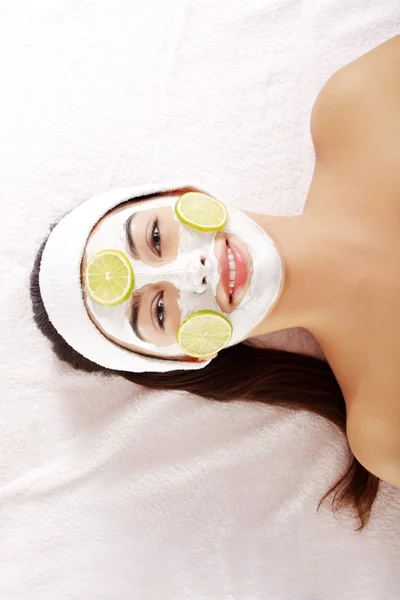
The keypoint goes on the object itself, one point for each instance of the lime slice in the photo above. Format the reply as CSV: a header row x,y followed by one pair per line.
x,y
109,277
201,211
203,333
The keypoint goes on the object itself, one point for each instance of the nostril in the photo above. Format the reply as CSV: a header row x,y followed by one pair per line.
x,y
203,260
204,281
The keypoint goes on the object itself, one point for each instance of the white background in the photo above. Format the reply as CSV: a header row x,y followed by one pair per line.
x,y
108,491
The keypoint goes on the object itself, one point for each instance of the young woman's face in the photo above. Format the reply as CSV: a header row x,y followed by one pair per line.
x,y
158,245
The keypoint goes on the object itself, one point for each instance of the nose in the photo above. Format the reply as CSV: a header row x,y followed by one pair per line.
x,y
200,270
190,271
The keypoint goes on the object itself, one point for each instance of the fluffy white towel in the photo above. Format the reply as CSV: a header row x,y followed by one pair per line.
x,y
108,491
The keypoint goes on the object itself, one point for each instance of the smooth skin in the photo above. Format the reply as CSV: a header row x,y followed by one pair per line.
x,y
342,254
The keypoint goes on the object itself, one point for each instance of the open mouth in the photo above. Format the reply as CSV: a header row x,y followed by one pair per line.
x,y
234,270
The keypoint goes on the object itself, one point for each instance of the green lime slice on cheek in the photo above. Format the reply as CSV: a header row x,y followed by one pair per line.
x,y
204,333
201,212
109,278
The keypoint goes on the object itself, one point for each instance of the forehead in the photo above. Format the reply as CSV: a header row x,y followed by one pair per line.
x,y
142,205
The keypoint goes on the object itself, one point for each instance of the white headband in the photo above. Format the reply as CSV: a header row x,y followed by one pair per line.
x,y
61,289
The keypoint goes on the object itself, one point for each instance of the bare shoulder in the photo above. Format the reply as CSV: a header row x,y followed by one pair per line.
x,y
373,432
364,89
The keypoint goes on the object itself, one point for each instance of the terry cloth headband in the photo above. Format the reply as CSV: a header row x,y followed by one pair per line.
x,y
62,293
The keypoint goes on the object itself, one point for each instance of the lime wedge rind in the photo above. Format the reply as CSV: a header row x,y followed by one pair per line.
x,y
109,277
204,333
202,212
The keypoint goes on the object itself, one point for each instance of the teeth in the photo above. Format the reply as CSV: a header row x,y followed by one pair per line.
x,y
232,270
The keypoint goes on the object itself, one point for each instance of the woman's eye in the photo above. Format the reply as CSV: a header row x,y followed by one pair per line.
x,y
156,237
160,311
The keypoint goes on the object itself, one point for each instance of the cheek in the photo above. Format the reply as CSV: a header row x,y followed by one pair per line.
x,y
190,302
170,239
174,313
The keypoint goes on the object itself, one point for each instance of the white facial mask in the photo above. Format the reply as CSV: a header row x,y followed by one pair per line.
x,y
186,273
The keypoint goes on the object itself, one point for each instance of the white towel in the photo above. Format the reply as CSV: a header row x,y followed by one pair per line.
x,y
111,492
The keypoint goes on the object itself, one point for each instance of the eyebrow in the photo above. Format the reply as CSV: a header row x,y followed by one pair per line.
x,y
131,242
134,314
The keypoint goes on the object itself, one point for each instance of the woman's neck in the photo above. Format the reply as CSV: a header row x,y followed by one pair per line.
x,y
310,252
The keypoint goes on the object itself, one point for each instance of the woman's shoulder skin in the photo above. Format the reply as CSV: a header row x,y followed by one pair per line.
x,y
374,434
355,129
355,101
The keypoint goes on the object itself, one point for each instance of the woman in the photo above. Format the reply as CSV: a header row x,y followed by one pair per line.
x,y
332,271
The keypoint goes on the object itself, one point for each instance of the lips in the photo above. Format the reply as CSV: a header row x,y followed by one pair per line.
x,y
241,270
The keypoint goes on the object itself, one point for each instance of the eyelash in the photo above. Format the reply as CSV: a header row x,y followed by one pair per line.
x,y
159,309
156,242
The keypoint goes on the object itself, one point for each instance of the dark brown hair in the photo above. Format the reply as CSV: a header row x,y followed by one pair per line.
x,y
243,372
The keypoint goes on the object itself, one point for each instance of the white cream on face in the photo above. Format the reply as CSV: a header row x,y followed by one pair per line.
x,y
187,272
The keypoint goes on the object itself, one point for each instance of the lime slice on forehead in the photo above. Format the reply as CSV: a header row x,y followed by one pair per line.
x,y
201,211
204,333
109,277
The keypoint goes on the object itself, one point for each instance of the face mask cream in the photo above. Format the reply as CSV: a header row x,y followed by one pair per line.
x,y
195,263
